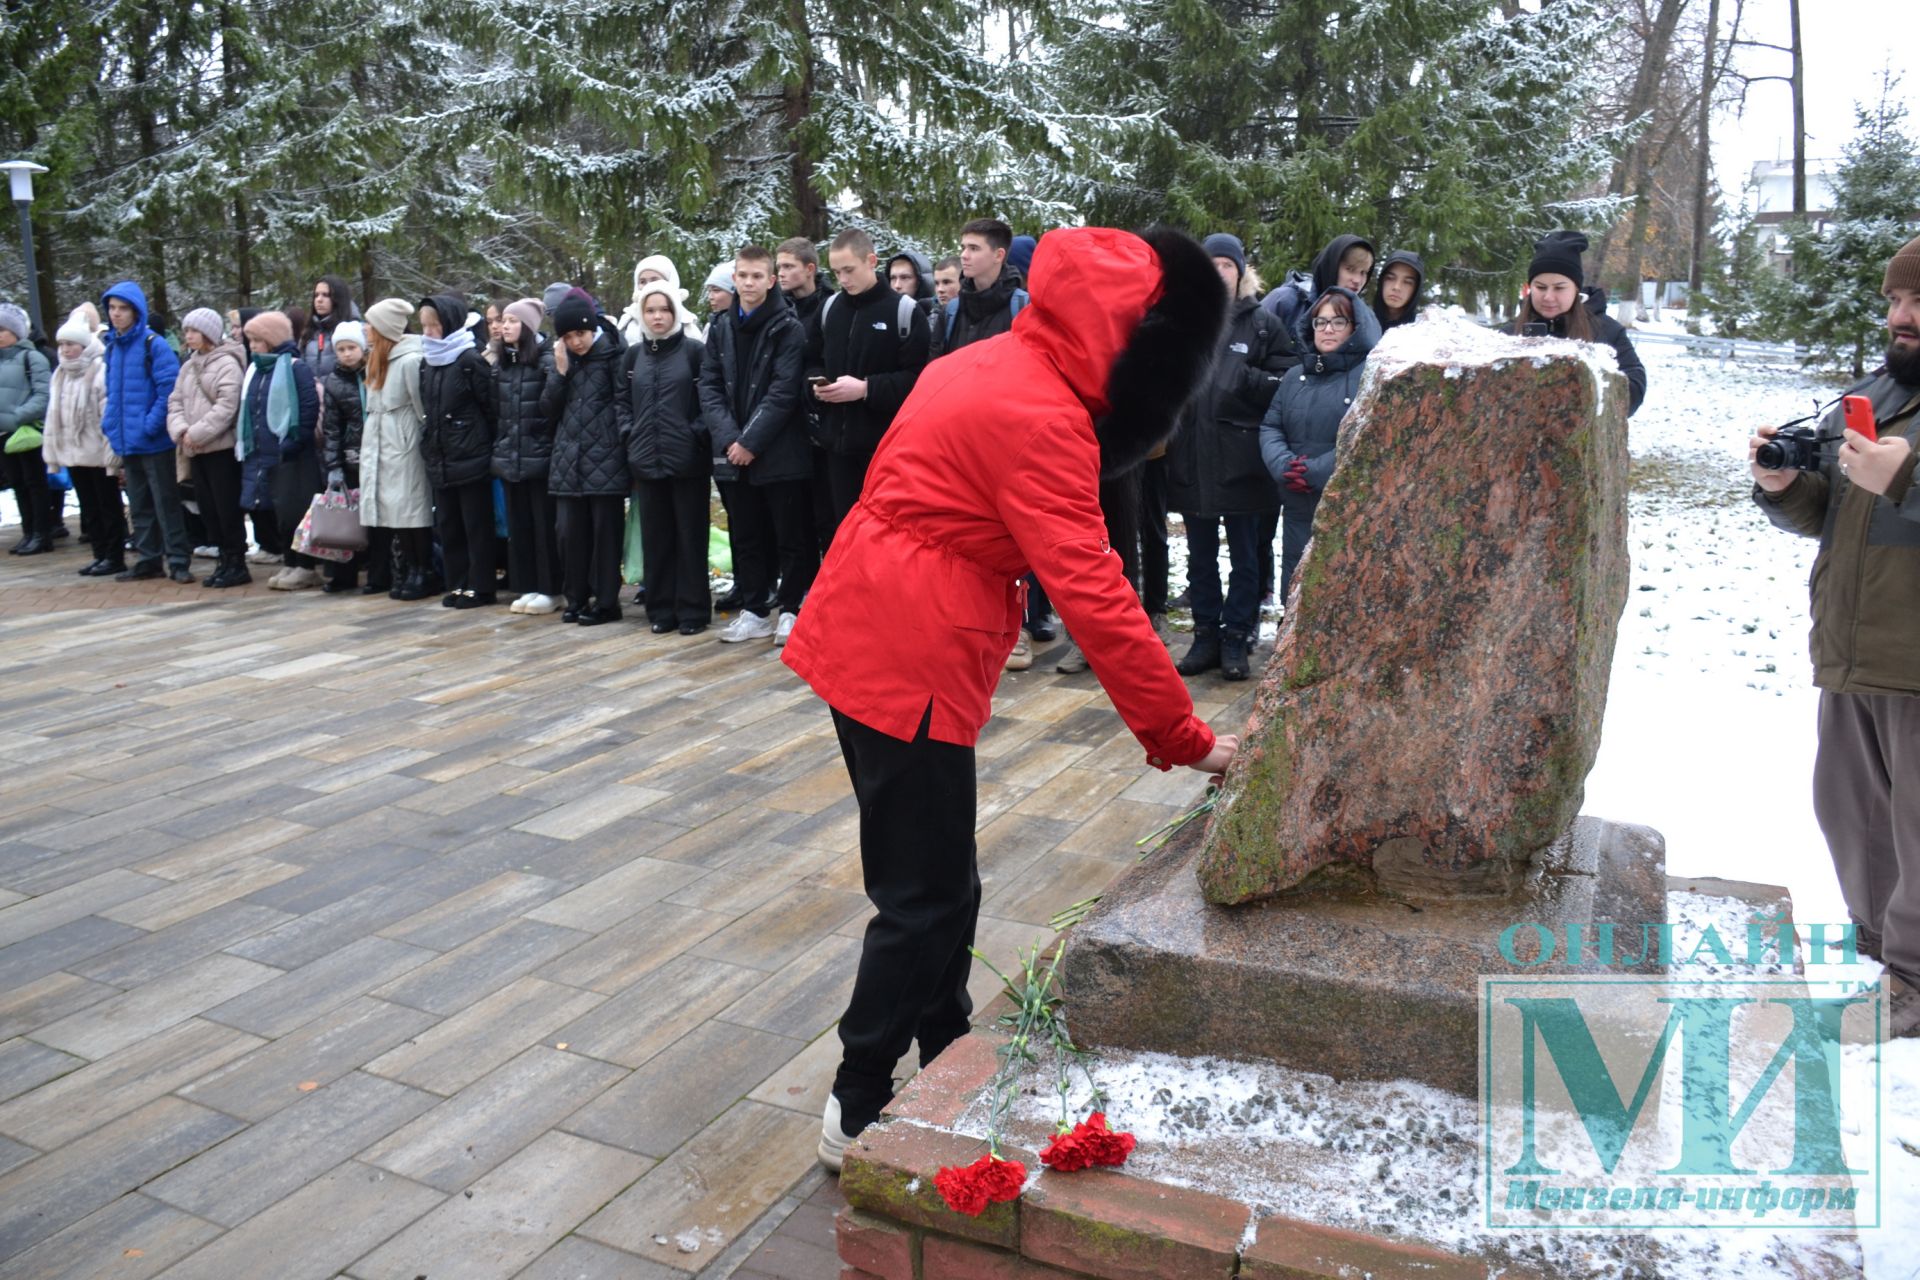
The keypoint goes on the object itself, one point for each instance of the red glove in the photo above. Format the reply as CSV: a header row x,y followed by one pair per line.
x,y
1295,476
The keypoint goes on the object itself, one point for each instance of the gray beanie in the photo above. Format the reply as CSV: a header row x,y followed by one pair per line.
x,y
14,320
550,297
207,321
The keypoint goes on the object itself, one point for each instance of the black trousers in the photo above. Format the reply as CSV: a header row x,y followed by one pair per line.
x,y
27,476
591,531
772,529
1269,530
266,532
1155,560
463,517
826,512
790,504
756,563
533,538
917,857
293,484
846,477
1296,530
103,516
216,486
673,542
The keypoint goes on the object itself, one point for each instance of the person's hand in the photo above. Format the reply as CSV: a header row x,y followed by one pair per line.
x,y
1769,480
739,455
1296,476
842,390
1872,464
1217,760
337,478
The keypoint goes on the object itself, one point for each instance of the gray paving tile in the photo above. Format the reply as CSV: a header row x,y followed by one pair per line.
x,y
67,946
276,1157
452,1055
79,1101
575,1258
152,955
276,1007
338,877
306,938
513,1215
457,979
133,1238
26,1065
657,1010
64,1186
152,1007
492,1118
279,1074
683,1088
51,910
464,916
314,1233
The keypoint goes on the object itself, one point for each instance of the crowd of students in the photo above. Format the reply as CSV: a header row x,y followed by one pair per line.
x,y
537,421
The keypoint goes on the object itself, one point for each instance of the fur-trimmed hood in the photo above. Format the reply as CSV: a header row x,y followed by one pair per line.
x,y
1132,323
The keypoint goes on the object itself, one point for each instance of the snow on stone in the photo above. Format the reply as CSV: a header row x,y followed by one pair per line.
x,y
1447,337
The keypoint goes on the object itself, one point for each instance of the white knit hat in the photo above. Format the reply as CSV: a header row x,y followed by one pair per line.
x,y
75,330
350,331
206,320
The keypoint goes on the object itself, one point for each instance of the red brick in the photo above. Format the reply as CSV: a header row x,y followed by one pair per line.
x,y
1125,1228
889,1172
855,1273
875,1245
941,1094
944,1259
1288,1249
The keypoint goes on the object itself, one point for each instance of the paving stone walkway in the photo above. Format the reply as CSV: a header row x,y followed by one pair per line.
x,y
348,938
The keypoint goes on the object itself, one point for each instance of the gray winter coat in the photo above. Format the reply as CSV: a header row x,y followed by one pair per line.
x,y
24,382
394,493
1304,419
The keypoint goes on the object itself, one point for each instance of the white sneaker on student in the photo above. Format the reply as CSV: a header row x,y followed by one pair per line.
x,y
296,580
784,628
834,1140
534,602
260,556
206,553
748,625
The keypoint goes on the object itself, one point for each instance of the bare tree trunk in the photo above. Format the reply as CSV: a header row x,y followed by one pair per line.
x,y
1799,82
366,275
798,96
1703,161
242,248
1646,87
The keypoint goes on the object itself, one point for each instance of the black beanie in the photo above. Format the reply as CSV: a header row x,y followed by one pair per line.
x,y
1559,252
573,315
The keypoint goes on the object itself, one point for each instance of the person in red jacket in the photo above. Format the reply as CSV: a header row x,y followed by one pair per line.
x,y
991,471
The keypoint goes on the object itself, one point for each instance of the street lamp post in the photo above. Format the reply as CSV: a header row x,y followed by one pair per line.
x,y
20,179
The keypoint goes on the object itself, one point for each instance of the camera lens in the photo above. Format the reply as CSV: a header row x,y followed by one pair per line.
x,y
1771,456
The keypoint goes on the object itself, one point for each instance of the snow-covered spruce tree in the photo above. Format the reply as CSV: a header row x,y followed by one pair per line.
x,y
1834,307
1435,125
1736,284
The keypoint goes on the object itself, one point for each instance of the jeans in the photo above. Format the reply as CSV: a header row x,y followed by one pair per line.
x,y
153,500
1239,611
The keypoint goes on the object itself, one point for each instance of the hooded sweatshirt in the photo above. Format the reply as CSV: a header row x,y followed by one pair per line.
x,y
141,369
923,293
1291,300
632,328
1419,268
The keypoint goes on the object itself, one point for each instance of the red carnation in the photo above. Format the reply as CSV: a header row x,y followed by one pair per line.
x,y
1066,1153
988,1180
1103,1145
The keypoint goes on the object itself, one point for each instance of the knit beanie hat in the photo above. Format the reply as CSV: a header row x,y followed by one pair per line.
x,y
1903,272
1222,245
206,320
351,332
721,277
573,315
14,320
551,295
1020,254
530,312
75,330
1558,252
271,327
389,316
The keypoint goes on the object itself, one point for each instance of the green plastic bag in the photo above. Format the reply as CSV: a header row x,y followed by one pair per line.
x,y
632,561
23,439
719,551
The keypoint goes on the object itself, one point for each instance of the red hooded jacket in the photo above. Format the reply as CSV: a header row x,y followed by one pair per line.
x,y
990,471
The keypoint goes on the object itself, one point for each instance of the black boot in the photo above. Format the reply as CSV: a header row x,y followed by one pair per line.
x,y
1202,655
1233,656
414,586
36,545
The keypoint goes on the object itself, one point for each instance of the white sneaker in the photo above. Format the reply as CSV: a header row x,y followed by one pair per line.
x,y
296,580
1022,656
518,606
206,553
534,602
784,628
273,583
834,1140
748,625
257,556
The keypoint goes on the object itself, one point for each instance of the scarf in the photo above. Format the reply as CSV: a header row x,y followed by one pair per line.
x,y
439,352
283,403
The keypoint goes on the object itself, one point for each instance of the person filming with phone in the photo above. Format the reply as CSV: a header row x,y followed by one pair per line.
x,y
1850,483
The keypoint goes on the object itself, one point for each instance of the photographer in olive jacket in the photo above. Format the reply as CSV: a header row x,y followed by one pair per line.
x,y
1861,502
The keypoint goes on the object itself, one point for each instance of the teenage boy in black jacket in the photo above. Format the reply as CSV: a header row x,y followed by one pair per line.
x,y
865,351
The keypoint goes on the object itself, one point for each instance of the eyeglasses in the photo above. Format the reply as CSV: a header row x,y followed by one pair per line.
x,y
1332,324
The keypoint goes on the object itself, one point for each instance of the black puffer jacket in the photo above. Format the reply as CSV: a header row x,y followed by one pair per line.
x,y
1609,332
589,440
750,389
859,335
457,419
978,313
345,415
1214,467
528,395
666,440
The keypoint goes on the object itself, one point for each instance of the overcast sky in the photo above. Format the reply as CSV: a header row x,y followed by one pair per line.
x,y
1847,44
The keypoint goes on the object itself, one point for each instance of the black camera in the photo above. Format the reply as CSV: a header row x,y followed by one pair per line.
x,y
1792,449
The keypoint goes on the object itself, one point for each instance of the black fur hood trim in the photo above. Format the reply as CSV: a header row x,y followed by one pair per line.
x,y
1168,358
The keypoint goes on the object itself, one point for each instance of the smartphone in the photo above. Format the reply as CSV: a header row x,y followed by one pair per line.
x,y
821,380
1858,412
1534,330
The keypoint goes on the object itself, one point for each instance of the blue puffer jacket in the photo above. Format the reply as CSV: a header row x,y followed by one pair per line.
x,y
141,368
1304,419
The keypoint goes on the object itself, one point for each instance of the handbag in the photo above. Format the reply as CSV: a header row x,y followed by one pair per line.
x,y
336,521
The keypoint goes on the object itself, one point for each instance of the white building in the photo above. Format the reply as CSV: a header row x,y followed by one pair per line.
x,y
1772,186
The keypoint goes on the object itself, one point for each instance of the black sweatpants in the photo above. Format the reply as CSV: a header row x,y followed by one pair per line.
x,y
778,519
533,538
846,477
756,562
591,531
103,516
917,857
26,474
825,512
673,542
216,486
463,518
